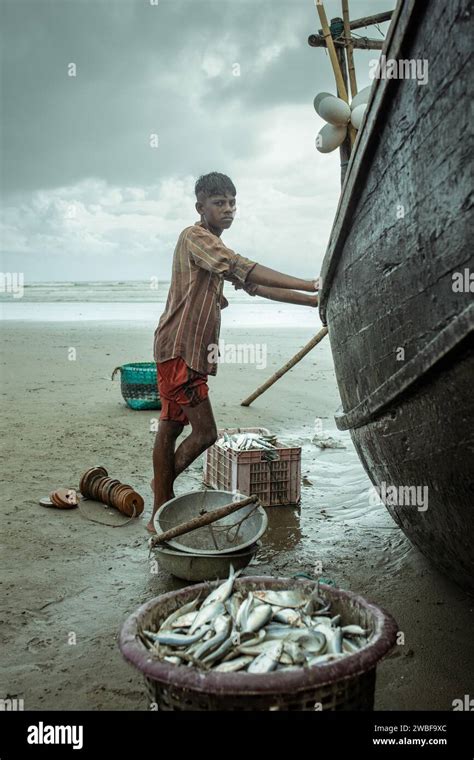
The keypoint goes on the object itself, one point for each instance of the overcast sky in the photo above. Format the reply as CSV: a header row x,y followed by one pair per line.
x,y
85,196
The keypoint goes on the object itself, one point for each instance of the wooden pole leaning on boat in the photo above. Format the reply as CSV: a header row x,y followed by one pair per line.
x,y
345,149
340,83
291,363
349,48
202,520
331,50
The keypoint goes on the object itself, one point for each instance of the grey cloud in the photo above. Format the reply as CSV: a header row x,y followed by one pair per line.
x,y
164,69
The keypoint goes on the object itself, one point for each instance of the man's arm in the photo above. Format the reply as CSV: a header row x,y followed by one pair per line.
x,y
285,295
260,275
209,252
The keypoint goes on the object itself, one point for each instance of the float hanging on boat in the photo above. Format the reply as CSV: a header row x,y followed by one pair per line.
x,y
338,115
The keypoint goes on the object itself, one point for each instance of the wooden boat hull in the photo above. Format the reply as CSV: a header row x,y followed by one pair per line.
x,y
396,290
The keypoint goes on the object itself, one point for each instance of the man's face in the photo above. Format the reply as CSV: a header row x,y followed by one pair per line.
x,y
219,210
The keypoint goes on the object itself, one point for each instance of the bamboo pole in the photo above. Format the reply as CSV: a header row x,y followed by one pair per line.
x,y
346,147
359,43
378,18
341,87
291,363
202,520
349,48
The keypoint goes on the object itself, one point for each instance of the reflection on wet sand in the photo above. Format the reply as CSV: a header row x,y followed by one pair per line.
x,y
283,532
335,506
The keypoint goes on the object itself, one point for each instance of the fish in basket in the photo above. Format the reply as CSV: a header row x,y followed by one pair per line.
x,y
259,643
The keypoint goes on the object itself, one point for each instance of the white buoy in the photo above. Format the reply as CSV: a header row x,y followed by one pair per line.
x,y
357,115
361,97
319,98
330,137
335,111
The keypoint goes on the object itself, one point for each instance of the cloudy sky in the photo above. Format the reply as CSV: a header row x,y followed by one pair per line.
x,y
86,195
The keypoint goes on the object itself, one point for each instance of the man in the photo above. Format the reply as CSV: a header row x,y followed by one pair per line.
x,y
190,325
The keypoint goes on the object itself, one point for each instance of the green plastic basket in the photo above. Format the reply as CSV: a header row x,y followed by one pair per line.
x,y
139,385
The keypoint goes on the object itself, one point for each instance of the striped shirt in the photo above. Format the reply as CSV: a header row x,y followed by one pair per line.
x,y
190,325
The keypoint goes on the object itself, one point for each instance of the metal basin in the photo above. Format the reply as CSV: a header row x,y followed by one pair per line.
x,y
202,567
222,537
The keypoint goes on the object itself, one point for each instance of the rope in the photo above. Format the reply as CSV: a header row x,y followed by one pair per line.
x,y
101,522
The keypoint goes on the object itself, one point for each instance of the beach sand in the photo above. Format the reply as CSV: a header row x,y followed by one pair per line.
x,y
68,583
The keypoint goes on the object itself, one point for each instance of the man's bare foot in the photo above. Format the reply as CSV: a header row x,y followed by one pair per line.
x,y
150,526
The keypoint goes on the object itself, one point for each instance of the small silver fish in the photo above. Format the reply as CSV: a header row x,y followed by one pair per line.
x,y
207,614
222,592
189,607
244,611
353,630
258,618
256,649
349,646
220,652
172,639
232,605
324,628
222,632
267,661
280,632
232,666
334,642
291,598
315,642
286,615
184,621
294,651
319,620
248,639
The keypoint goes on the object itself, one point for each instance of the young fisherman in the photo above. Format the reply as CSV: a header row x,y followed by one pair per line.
x,y
188,330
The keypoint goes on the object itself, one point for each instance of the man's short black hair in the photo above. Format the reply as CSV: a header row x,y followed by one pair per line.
x,y
214,184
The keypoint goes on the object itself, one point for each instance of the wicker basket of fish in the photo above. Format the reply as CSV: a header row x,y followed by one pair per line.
x,y
258,643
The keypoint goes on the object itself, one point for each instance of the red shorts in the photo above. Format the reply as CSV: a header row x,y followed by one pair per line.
x,y
179,386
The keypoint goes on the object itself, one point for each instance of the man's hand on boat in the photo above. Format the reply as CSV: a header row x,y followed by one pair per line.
x,y
255,286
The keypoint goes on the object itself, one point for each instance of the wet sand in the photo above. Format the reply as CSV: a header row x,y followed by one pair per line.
x,y
68,583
